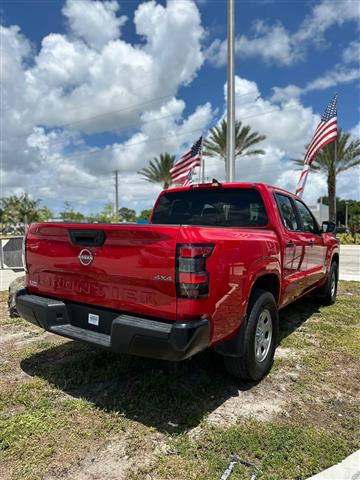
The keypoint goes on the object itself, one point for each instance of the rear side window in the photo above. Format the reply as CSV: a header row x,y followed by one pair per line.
x,y
224,207
287,211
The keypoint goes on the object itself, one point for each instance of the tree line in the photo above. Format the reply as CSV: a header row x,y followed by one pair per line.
x,y
18,211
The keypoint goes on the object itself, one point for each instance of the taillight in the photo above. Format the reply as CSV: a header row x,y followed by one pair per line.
x,y
192,278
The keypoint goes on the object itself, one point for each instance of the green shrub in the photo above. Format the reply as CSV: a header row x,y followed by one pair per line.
x,y
349,239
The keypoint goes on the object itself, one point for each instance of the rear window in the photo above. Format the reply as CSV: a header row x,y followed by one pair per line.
x,y
224,207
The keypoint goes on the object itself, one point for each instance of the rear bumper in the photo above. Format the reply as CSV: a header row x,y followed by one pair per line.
x,y
117,332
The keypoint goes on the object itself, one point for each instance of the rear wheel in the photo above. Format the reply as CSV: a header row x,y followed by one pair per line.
x,y
260,339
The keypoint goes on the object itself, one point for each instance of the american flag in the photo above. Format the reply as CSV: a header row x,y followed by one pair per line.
x,y
188,180
326,132
187,162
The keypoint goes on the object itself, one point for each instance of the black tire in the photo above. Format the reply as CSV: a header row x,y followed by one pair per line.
x,y
248,366
328,292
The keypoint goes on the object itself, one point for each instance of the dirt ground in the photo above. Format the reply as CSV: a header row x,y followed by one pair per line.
x,y
70,411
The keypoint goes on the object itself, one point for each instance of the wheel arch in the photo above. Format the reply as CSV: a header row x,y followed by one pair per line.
x,y
235,346
335,258
269,282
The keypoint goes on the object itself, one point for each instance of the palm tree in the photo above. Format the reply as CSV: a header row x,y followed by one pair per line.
x,y
158,170
215,145
17,211
347,156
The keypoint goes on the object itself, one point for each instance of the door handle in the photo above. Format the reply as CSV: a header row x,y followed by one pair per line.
x,y
290,243
311,242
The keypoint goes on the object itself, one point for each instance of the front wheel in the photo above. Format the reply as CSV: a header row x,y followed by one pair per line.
x,y
260,339
329,290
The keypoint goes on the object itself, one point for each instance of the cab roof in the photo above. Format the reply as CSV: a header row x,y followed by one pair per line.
x,y
232,185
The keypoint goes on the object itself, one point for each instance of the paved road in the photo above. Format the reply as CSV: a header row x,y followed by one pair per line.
x,y
350,262
349,267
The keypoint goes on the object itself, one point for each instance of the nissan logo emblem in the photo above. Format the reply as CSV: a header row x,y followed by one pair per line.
x,y
85,257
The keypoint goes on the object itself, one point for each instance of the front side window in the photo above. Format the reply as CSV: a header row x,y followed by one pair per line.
x,y
223,207
287,211
309,224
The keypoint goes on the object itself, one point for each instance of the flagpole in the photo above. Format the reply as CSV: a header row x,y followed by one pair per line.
x,y
202,163
335,147
302,179
230,134
336,140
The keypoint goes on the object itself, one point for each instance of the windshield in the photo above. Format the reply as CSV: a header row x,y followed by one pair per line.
x,y
226,207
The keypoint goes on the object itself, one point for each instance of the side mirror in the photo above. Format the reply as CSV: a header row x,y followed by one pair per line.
x,y
328,227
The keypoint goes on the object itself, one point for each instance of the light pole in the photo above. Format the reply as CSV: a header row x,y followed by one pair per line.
x,y
346,214
116,195
230,133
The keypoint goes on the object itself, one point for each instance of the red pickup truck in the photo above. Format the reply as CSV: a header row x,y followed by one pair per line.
x,y
212,268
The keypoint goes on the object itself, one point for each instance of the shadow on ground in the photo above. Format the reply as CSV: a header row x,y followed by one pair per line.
x,y
150,391
293,316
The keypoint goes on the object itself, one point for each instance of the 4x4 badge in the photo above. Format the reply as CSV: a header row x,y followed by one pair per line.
x,y
163,278
85,257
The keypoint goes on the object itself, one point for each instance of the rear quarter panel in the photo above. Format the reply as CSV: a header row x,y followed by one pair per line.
x,y
239,257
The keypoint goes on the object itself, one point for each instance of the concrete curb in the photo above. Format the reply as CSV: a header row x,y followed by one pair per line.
x,y
348,469
7,276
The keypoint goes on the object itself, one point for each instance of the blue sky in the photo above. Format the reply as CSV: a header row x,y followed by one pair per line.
x,y
93,86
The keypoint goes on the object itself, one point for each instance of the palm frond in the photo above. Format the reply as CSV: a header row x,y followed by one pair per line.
x,y
215,144
335,158
254,152
158,170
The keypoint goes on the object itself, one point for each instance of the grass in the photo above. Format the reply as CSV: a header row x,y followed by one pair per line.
x,y
48,429
62,401
321,422
278,450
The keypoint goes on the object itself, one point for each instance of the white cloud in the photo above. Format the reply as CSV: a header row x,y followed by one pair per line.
x,y
332,78
355,132
270,43
348,184
346,71
274,44
323,16
341,73
94,21
178,28
288,127
351,54
283,94
86,176
169,133
74,84
337,76
91,80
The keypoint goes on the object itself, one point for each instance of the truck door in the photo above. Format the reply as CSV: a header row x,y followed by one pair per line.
x,y
315,248
293,249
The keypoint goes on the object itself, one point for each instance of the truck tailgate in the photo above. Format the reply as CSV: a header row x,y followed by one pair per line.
x,y
129,268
